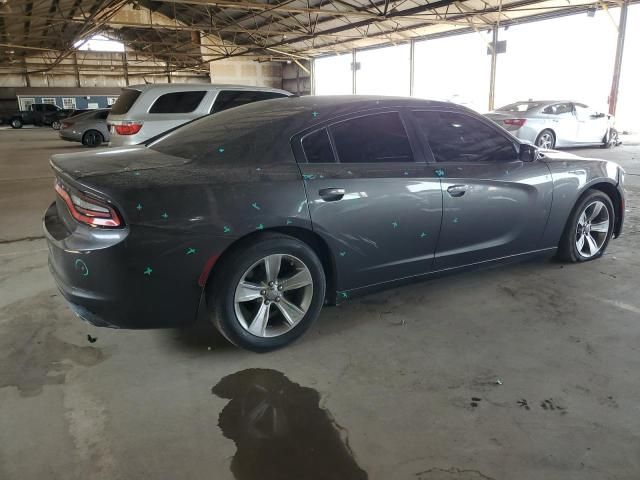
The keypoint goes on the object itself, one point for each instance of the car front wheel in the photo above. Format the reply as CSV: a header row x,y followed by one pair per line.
x,y
16,123
588,229
267,294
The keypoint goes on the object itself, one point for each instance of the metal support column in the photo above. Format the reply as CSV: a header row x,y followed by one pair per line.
x,y
125,68
76,70
494,58
27,80
168,72
353,71
412,64
615,84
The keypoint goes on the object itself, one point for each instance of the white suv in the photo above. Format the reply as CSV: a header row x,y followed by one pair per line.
x,y
144,111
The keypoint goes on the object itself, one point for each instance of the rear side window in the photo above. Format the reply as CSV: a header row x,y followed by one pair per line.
x,y
460,138
234,98
126,99
102,115
177,102
317,147
378,138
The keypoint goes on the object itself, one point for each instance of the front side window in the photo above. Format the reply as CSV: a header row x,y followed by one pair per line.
x,y
379,138
177,102
558,109
454,137
317,147
234,98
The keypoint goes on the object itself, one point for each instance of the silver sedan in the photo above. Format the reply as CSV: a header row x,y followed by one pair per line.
x,y
90,128
551,124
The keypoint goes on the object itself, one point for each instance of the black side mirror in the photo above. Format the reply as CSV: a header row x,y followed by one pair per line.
x,y
597,115
528,152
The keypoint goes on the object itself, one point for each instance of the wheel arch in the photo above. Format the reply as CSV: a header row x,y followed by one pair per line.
x,y
312,239
610,190
544,129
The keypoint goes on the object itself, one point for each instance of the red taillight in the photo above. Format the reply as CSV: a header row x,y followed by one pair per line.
x,y
87,210
65,125
128,128
516,122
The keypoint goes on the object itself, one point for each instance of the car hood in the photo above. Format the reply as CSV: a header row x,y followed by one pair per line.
x,y
113,160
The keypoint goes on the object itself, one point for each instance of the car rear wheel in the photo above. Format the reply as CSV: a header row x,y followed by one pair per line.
x,y
268,293
546,139
16,123
588,229
55,124
92,138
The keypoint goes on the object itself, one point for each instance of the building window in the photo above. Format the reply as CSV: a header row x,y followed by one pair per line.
x,y
69,103
111,100
25,103
49,100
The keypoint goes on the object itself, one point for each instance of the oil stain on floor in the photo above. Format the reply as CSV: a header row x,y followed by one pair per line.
x,y
31,355
280,430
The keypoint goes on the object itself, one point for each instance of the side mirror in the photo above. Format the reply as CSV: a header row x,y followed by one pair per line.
x,y
597,115
528,153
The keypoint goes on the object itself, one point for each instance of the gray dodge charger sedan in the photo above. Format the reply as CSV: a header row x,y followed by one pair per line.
x,y
263,213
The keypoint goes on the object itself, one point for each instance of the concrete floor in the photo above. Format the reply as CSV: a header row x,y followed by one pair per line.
x,y
525,372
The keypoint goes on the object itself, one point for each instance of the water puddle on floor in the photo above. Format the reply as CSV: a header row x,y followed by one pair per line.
x,y
280,430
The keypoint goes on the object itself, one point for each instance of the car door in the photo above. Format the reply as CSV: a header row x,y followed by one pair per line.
x,y
371,197
592,126
563,122
494,204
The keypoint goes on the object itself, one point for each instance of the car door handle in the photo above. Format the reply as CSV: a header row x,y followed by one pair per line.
x,y
331,194
457,190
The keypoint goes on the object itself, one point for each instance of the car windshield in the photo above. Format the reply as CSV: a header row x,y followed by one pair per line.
x,y
231,132
519,107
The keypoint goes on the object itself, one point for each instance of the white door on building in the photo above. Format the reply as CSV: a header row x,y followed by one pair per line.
x,y
25,103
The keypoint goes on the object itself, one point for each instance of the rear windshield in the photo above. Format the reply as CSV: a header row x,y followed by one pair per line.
x,y
126,99
520,107
238,132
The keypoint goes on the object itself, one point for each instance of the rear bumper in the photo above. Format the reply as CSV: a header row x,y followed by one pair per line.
x,y
70,135
101,273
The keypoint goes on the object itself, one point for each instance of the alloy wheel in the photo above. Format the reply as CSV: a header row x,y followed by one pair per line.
x,y
273,295
545,141
592,229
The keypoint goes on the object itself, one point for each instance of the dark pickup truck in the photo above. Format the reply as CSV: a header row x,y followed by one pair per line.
x,y
38,114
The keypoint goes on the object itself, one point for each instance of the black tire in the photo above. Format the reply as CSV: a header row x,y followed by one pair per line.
x,y
541,139
55,124
567,249
16,123
221,290
92,139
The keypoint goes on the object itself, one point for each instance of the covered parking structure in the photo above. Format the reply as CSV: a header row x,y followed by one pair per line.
x,y
524,372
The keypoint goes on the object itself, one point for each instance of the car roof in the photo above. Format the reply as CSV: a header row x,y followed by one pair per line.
x,y
169,87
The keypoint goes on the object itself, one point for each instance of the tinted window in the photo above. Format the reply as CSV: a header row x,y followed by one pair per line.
x,y
102,115
372,139
177,102
317,147
235,98
126,99
50,108
460,138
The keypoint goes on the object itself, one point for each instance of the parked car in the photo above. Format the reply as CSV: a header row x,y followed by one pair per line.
x,y
551,124
89,127
37,114
269,210
144,111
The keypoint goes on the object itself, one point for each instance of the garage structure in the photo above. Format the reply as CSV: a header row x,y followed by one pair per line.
x,y
528,371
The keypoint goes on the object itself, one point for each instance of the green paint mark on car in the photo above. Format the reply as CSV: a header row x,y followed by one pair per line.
x,y
260,227
342,254
191,251
226,229
221,149
255,205
165,215
394,224
423,235
139,206
148,271
439,172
